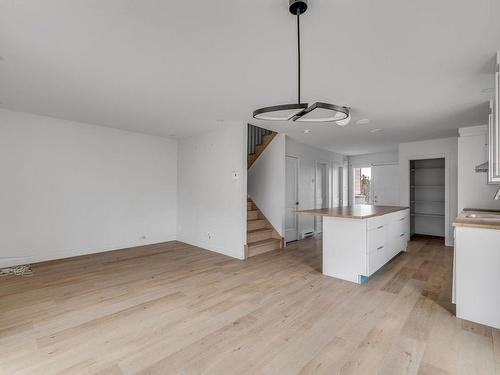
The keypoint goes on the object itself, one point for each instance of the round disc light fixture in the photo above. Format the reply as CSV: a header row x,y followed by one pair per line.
x,y
302,112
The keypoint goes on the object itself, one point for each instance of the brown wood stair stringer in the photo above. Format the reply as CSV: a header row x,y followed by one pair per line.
x,y
259,149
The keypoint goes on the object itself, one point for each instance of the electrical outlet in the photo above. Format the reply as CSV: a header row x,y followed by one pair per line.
x,y
143,237
210,235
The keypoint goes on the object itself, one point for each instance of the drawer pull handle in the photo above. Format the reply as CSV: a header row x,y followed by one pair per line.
x,y
402,234
380,227
380,247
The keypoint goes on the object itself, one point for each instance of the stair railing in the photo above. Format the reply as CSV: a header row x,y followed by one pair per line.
x,y
255,137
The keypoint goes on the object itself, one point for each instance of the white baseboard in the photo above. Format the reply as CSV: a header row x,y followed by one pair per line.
x,y
46,256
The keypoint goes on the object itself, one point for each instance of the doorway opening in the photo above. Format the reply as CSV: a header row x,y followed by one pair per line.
x,y
362,185
427,197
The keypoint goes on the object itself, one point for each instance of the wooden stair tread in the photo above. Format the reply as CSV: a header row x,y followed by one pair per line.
x,y
261,236
264,242
260,230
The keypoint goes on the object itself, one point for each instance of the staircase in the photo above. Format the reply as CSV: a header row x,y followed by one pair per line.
x,y
258,139
261,236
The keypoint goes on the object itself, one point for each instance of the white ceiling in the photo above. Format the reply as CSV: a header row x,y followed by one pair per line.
x,y
414,68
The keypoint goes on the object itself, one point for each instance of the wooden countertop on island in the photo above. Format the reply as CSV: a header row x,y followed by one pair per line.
x,y
358,211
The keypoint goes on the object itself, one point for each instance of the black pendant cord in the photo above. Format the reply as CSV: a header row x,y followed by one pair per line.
x,y
298,55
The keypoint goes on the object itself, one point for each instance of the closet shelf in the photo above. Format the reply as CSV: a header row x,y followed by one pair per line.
x,y
413,169
427,215
426,186
426,201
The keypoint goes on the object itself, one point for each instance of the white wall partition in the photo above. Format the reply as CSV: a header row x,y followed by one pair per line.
x,y
266,183
212,188
432,149
70,188
473,190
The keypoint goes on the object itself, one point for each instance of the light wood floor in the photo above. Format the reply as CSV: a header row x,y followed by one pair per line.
x,y
176,309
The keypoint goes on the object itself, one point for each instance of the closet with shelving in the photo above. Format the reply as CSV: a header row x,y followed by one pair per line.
x,y
427,197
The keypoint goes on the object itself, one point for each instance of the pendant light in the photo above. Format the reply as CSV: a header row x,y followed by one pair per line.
x,y
302,112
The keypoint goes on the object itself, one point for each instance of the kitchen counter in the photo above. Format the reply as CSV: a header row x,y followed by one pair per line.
x,y
490,223
358,211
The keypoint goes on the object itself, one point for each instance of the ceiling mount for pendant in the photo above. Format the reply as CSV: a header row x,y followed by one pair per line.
x,y
302,112
297,5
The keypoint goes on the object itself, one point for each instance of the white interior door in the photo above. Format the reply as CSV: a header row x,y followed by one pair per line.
x,y
291,198
385,185
321,193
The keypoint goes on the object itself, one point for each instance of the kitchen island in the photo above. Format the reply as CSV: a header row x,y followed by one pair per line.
x,y
359,239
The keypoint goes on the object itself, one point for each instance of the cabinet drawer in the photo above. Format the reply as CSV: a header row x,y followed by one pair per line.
x,y
376,259
377,248
376,238
401,215
403,225
376,222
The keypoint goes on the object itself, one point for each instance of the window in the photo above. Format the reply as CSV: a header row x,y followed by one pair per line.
x,y
362,185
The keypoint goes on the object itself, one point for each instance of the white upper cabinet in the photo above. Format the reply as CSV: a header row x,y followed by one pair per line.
x,y
494,132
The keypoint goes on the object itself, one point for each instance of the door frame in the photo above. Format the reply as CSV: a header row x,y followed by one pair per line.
x,y
404,175
297,192
329,189
351,194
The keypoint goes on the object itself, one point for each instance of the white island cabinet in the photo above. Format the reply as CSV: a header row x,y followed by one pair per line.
x,y
358,240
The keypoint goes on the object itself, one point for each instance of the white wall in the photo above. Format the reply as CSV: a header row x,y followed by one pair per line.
x,y
211,203
308,156
368,160
70,189
436,148
266,183
473,190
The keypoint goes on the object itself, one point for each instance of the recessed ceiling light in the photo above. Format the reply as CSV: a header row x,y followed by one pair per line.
x,y
363,121
307,131
375,130
489,90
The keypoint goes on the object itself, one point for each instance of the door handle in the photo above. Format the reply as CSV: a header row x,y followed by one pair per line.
x,y
296,203
402,234
380,248
380,227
